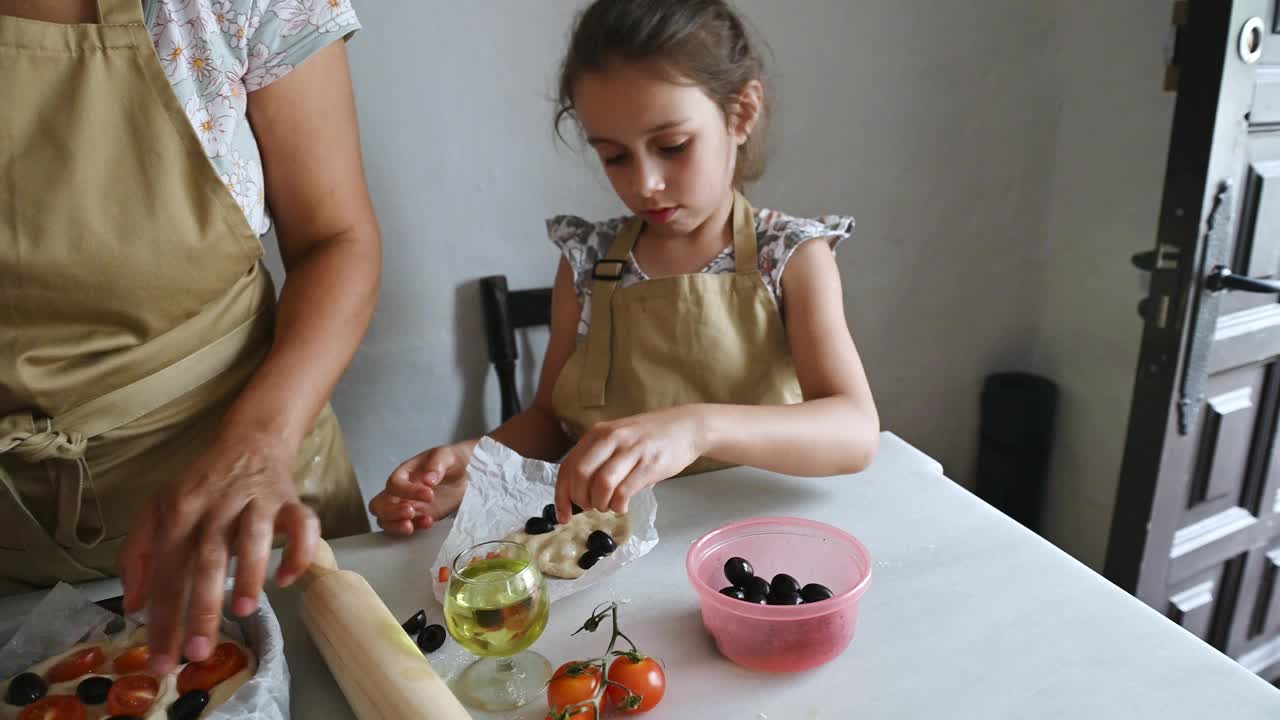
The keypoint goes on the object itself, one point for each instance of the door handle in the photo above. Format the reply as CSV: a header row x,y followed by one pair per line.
x,y
1223,279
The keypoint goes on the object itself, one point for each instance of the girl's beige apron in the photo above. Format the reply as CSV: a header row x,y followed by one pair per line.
x,y
678,340
133,307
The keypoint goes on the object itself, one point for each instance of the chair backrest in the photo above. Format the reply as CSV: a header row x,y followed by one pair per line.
x,y
504,313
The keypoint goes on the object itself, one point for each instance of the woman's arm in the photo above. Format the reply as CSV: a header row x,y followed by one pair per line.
x,y
240,491
329,241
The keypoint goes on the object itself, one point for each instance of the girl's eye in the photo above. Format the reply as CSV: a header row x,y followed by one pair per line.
x,y
674,149
614,159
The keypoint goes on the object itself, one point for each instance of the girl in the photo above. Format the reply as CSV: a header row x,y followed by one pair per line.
x,y
697,332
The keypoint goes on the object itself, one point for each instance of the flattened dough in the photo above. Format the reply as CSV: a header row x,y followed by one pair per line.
x,y
113,647
556,553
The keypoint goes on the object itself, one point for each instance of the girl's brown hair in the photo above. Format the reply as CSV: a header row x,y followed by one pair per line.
x,y
703,42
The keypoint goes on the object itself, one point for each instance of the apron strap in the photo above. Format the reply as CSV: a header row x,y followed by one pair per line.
x,y
121,12
606,275
746,259
67,438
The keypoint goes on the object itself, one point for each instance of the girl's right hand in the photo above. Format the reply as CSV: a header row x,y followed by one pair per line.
x,y
423,489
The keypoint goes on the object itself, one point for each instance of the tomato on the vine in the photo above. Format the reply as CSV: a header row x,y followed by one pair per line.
x,y
572,683
640,674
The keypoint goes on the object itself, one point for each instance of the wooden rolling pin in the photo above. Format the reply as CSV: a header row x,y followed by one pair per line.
x,y
379,668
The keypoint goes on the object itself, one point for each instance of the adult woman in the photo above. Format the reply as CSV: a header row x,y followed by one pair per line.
x,y
155,404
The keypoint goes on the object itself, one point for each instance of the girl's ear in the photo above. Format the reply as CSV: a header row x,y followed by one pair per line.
x,y
746,111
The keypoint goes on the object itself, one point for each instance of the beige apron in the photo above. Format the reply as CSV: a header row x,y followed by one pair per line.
x,y
133,307
670,341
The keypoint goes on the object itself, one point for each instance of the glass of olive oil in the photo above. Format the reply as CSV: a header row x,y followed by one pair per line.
x,y
496,607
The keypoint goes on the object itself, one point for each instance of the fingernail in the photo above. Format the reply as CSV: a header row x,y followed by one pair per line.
x,y
161,664
198,648
242,606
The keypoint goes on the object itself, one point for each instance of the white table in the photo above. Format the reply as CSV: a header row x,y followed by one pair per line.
x,y
968,615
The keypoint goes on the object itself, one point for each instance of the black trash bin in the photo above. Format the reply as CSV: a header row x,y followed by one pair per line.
x,y
1015,439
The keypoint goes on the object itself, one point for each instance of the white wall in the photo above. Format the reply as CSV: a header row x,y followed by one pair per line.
x,y
936,124
1109,164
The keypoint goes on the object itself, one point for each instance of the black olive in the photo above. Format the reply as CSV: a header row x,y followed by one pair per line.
x,y
431,638
489,619
26,689
813,592
756,597
600,542
734,592
538,526
576,510
549,513
414,625
757,585
783,581
93,691
784,597
738,571
189,706
115,627
589,559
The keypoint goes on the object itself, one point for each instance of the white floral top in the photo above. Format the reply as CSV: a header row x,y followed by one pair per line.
x,y
584,242
215,52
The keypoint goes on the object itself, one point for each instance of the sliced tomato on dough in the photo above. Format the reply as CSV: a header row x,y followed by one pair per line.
x,y
55,707
80,662
227,660
132,695
132,660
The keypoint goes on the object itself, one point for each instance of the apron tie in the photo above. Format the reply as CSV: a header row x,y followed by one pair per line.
x,y
36,441
38,445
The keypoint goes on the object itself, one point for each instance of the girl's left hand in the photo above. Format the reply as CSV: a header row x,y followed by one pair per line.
x,y
615,460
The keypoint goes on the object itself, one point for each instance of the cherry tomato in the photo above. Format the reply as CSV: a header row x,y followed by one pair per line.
x,y
132,660
55,707
571,684
227,660
132,695
80,662
641,675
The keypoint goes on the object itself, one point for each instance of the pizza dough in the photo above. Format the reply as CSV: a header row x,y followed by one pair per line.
x,y
556,553
113,647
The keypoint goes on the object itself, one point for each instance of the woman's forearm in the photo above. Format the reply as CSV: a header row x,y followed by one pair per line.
x,y
325,307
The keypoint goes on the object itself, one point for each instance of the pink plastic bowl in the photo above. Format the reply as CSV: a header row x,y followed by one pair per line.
x,y
781,638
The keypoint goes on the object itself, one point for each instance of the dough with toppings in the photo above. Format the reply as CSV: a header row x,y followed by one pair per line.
x,y
113,648
556,553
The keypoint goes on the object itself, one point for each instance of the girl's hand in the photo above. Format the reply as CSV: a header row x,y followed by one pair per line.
x,y
425,488
617,459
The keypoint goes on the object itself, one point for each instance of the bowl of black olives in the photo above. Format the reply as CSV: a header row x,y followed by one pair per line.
x,y
779,594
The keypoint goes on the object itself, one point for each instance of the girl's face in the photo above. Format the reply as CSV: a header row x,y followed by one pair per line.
x,y
666,147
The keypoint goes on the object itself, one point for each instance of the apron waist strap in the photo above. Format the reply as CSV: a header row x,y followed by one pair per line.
x,y
66,438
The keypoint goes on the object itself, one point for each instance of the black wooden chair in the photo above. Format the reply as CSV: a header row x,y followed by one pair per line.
x,y
505,312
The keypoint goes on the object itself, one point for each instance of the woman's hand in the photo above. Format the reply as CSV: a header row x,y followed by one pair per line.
x,y
615,460
232,500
